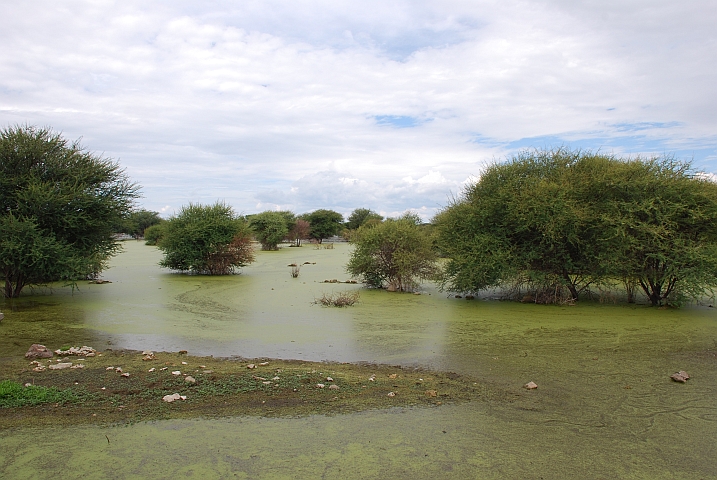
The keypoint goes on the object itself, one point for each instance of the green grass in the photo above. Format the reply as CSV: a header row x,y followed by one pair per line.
x,y
13,395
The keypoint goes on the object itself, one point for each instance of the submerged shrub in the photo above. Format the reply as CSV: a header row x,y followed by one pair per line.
x,y
339,299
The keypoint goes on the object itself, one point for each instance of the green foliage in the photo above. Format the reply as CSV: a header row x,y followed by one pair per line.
x,y
360,216
324,223
270,228
300,230
206,239
562,220
138,221
59,206
14,395
397,253
153,234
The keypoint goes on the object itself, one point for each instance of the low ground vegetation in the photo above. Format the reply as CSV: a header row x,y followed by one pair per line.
x,y
98,394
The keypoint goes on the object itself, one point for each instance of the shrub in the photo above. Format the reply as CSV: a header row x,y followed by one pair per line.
x,y
340,299
206,239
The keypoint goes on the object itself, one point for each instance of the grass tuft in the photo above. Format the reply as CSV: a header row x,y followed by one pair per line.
x,y
13,395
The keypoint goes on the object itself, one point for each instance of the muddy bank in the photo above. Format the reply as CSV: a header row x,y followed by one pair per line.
x,y
129,386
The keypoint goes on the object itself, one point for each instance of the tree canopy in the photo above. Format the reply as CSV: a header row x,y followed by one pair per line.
x,y
397,253
138,221
270,228
562,221
206,239
59,205
324,223
360,216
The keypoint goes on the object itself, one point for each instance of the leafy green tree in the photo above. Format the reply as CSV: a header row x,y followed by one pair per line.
x,y
360,216
561,219
324,223
153,234
59,205
664,218
270,228
206,239
397,253
138,221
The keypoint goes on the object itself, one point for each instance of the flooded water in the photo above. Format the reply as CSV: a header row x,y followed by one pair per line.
x,y
605,406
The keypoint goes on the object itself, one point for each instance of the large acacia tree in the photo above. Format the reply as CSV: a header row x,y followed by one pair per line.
x,y
59,206
565,220
206,239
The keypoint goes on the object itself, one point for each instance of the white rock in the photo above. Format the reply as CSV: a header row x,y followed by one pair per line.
x,y
320,385
163,369
264,364
125,375
60,366
118,369
110,368
151,369
276,378
333,387
184,363
173,397
190,379
391,394
530,386
329,379
79,365
176,372
250,366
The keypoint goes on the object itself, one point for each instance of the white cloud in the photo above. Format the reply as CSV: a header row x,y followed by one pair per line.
x,y
279,103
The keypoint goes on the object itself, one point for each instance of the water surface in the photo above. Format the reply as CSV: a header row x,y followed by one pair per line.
x,y
605,406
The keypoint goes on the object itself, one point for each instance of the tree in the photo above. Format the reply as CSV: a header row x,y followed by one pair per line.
x,y
299,231
270,228
138,221
562,220
360,216
59,205
324,223
153,234
397,253
206,239
664,220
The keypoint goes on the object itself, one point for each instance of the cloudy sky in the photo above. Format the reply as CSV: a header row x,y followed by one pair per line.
x,y
389,105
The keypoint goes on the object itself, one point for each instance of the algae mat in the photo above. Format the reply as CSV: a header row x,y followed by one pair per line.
x,y
605,406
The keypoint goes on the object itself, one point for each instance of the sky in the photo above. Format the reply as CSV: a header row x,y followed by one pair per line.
x,y
393,106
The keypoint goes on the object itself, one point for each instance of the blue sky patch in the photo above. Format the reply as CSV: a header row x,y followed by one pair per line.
x,y
397,121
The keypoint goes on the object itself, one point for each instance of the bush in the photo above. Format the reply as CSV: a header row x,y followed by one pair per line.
x,y
206,239
270,228
153,234
397,253
340,299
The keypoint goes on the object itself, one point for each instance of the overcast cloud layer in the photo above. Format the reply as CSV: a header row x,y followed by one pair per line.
x,y
328,104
